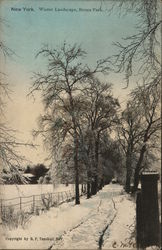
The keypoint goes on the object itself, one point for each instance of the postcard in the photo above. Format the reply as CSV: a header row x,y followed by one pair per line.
x,y
80,124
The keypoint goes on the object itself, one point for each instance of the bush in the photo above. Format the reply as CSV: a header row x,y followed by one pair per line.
x,y
47,201
14,219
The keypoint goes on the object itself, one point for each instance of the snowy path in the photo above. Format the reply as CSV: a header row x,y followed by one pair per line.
x,y
89,225
94,226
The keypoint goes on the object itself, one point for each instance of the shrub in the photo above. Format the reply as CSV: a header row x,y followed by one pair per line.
x,y
14,219
47,201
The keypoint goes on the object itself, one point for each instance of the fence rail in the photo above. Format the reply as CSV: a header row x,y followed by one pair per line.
x,y
36,202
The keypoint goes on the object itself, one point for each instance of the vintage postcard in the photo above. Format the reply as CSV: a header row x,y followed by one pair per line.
x,y
80,124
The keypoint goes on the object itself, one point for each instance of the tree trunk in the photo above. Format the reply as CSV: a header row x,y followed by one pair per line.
x,y
128,174
84,186
101,184
88,190
93,188
82,189
138,168
88,185
76,144
95,182
127,183
128,166
77,198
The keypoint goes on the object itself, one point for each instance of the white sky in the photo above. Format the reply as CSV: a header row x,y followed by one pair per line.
x,y
27,31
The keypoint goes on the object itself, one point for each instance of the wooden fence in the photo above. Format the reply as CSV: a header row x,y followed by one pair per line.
x,y
32,203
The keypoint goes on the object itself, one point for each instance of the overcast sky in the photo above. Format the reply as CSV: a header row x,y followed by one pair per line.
x,y
26,31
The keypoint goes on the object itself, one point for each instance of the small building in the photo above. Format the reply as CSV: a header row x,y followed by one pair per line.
x,y
30,178
33,173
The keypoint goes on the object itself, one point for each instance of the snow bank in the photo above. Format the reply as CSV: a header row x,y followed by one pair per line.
x,y
101,220
121,233
41,230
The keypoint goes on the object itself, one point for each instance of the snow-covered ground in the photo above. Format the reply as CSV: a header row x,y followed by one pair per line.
x,y
13,191
103,222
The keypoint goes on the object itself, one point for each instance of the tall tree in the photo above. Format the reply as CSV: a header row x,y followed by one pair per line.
x,y
139,128
99,114
129,136
138,56
147,98
64,78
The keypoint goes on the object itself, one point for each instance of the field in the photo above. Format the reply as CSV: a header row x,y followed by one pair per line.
x,y
13,191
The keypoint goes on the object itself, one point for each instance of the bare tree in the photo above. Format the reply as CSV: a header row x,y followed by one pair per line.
x,y
99,113
139,53
139,128
10,158
64,78
129,131
147,98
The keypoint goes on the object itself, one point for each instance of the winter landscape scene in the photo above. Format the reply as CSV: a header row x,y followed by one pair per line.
x,y
80,124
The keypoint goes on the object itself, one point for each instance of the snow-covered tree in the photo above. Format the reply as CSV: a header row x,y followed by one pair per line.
x,y
10,158
62,81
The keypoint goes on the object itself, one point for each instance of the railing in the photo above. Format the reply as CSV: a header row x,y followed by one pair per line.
x,y
32,203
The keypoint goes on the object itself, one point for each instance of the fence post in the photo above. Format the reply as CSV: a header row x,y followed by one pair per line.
x,y
50,199
148,211
62,196
58,197
1,206
20,203
66,195
33,203
1,213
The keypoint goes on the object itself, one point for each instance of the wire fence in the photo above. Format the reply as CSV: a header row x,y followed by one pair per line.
x,y
33,203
